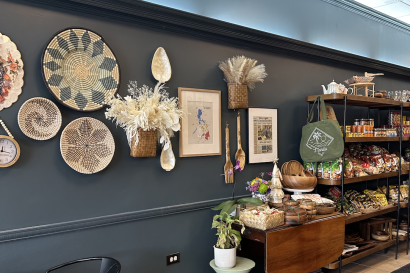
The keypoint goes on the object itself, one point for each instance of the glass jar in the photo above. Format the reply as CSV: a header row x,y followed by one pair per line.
x,y
357,121
371,122
363,121
377,132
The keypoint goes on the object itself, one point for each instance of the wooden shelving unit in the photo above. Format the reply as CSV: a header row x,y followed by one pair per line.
x,y
369,103
375,139
331,182
378,247
361,217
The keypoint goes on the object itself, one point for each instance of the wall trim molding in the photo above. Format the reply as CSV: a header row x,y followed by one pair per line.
x,y
370,13
199,27
94,222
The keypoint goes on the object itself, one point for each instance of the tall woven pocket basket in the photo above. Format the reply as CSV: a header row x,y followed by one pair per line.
x,y
147,144
237,96
262,221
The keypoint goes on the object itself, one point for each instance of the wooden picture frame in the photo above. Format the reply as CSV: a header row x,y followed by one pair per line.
x,y
263,135
201,133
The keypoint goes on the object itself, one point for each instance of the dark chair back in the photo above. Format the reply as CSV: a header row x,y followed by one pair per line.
x,y
108,265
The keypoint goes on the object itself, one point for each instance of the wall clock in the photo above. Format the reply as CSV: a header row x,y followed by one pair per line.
x,y
9,149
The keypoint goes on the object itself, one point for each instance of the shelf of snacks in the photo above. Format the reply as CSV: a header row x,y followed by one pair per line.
x,y
360,217
355,100
354,257
375,139
335,182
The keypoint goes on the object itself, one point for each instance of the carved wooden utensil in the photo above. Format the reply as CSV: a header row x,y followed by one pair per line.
x,y
240,154
228,168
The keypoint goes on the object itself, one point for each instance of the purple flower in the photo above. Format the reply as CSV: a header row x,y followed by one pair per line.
x,y
230,172
270,173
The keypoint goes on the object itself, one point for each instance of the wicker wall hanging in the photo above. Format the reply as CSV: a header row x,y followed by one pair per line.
x,y
80,70
87,145
39,118
11,72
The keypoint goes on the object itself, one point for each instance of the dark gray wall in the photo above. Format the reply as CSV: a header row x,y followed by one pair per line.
x,y
41,189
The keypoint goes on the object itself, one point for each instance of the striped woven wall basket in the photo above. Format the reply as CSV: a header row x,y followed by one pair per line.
x,y
80,70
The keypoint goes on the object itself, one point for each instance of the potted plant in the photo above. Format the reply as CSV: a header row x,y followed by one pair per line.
x,y
240,73
260,188
146,115
228,240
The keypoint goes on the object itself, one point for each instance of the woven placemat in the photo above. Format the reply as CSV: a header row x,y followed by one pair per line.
x,y
87,145
80,70
39,118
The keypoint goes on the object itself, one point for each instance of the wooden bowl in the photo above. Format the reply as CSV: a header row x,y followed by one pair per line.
x,y
290,203
299,182
380,237
322,210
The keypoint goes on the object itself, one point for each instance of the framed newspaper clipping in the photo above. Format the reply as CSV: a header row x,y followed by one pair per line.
x,y
201,126
263,135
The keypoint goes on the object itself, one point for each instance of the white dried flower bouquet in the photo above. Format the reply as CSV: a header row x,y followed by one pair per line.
x,y
243,70
146,109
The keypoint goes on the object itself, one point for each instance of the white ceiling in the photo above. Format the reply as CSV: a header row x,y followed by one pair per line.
x,y
399,9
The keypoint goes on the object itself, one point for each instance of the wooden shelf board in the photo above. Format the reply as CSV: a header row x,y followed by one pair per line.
x,y
375,139
378,247
361,217
354,100
331,182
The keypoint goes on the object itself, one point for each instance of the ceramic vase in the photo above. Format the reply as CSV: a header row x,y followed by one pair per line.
x,y
225,258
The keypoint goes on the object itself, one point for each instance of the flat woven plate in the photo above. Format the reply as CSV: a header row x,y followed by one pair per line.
x,y
80,70
87,145
39,118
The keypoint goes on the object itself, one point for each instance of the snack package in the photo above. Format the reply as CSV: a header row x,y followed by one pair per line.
x,y
404,191
382,199
372,195
394,163
336,169
310,166
381,190
394,193
334,193
373,149
377,161
326,170
387,160
367,160
349,172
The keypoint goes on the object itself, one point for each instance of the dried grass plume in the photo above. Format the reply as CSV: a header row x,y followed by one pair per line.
x,y
243,70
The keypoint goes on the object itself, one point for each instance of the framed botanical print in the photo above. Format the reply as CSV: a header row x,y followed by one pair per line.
x,y
263,135
201,126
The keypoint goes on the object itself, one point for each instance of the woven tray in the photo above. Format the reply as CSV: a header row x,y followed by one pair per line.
x,y
80,70
87,145
39,118
147,144
237,96
262,221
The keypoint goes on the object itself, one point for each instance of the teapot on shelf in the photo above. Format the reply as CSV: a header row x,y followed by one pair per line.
x,y
335,88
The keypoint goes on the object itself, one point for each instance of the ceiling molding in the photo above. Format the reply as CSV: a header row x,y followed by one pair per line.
x,y
370,13
199,27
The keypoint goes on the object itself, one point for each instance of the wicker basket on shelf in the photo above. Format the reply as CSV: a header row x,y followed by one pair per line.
x,y
147,144
262,221
237,96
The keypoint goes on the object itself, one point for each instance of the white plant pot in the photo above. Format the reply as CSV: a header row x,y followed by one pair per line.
x,y
225,258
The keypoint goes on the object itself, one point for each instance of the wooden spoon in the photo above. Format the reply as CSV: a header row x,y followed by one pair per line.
x,y
228,168
240,154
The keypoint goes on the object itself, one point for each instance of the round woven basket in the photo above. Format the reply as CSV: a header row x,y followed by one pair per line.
x,y
39,118
237,96
147,144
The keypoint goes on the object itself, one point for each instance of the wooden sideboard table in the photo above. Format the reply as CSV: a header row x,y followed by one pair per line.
x,y
295,249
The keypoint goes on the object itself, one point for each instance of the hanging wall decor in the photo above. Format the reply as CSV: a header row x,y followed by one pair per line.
x,y
241,73
11,72
9,148
39,118
201,129
87,145
263,135
80,69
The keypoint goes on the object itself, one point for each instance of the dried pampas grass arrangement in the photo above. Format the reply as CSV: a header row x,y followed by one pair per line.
x,y
146,109
243,70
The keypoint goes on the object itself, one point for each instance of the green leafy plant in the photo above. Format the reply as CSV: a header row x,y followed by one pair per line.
x,y
230,205
227,237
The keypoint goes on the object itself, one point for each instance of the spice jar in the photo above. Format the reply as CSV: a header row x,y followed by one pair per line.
x,y
371,122
356,122
363,121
